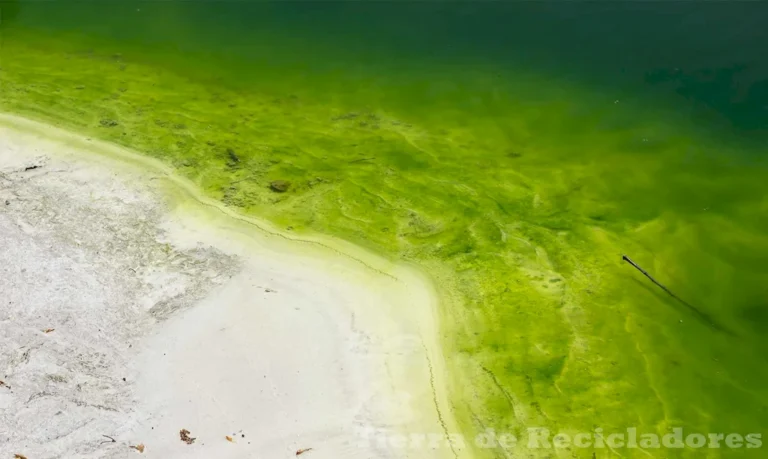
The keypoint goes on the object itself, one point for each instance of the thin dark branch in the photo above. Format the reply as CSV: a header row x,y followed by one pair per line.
x,y
361,159
706,318
645,273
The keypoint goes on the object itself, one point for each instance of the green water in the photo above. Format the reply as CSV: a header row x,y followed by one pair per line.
x,y
513,151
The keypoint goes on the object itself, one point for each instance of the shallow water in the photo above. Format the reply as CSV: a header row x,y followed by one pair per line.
x,y
514,151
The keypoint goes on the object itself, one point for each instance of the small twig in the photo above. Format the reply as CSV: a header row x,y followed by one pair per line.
x,y
361,159
107,436
242,179
645,273
701,315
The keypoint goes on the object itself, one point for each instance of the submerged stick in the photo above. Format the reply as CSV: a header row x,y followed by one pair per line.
x,y
361,159
703,316
645,273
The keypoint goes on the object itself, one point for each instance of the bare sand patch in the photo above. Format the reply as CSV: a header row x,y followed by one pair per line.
x,y
170,312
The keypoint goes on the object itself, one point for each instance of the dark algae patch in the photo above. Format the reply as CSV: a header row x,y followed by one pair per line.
x,y
513,152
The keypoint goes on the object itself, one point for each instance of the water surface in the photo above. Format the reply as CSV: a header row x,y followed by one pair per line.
x,y
513,150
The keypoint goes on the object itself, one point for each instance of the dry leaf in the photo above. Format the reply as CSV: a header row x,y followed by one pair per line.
x,y
19,456
229,439
48,330
139,447
184,434
302,451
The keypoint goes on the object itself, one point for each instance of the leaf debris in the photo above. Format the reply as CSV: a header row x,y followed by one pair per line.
x,y
184,435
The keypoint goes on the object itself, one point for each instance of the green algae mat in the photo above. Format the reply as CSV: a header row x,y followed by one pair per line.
x,y
514,152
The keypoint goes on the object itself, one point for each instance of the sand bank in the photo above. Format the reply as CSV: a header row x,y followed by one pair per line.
x,y
133,307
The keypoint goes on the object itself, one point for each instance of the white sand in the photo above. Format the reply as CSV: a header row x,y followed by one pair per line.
x,y
219,324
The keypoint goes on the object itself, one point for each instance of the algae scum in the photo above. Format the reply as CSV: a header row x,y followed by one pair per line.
x,y
512,151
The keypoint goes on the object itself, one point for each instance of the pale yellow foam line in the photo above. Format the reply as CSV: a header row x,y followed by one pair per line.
x,y
327,252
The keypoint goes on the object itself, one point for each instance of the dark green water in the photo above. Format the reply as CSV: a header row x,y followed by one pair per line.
x,y
710,53
513,150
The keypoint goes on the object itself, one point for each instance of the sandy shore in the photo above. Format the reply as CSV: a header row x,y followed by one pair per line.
x,y
132,308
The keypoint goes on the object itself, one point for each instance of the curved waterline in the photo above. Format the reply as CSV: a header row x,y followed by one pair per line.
x,y
515,188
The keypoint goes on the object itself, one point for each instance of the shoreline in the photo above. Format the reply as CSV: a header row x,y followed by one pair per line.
x,y
190,218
